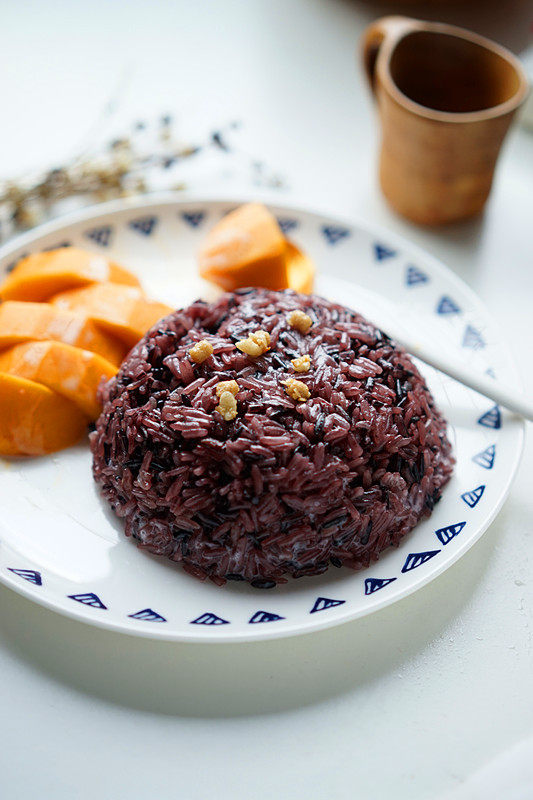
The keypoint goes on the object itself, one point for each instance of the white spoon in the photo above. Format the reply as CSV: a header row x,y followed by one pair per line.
x,y
384,314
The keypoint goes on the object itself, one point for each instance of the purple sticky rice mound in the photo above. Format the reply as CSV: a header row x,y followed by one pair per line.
x,y
286,488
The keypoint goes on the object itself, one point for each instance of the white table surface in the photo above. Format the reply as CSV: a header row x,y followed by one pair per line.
x,y
432,698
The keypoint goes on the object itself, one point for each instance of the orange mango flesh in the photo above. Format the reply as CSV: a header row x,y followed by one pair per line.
x,y
71,372
41,275
22,322
300,269
122,311
246,248
53,355
34,420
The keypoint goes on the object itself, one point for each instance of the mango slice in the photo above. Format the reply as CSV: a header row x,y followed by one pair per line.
x,y
42,275
71,372
300,269
23,322
246,248
120,310
34,420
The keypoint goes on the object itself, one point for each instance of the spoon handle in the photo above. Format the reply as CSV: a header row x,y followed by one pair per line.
x,y
384,315
464,374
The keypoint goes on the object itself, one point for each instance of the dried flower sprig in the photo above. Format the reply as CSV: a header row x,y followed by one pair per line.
x,y
125,166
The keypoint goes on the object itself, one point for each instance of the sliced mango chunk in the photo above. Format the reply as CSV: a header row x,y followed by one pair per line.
x,y
42,275
300,269
34,420
69,371
246,248
23,322
120,310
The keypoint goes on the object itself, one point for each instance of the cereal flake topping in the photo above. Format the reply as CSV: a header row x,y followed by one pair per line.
x,y
297,390
227,407
300,321
226,386
302,364
255,345
200,351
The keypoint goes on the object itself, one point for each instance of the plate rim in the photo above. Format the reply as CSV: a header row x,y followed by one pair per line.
x,y
158,199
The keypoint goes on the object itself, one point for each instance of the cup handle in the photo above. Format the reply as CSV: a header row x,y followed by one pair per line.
x,y
388,29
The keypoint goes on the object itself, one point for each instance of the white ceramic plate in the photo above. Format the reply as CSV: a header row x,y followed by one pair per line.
x,y
61,547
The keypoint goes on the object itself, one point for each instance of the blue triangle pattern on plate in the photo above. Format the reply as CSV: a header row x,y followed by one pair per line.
x,y
144,225
445,535
473,339
264,616
486,458
193,218
209,619
88,599
375,584
147,615
490,372
334,233
287,224
472,498
10,267
101,236
381,252
414,275
322,603
57,246
30,575
447,306
491,418
415,560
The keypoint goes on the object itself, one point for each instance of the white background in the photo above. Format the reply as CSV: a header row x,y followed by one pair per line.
x,y
411,702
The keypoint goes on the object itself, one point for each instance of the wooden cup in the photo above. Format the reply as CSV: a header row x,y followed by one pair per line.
x,y
446,98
